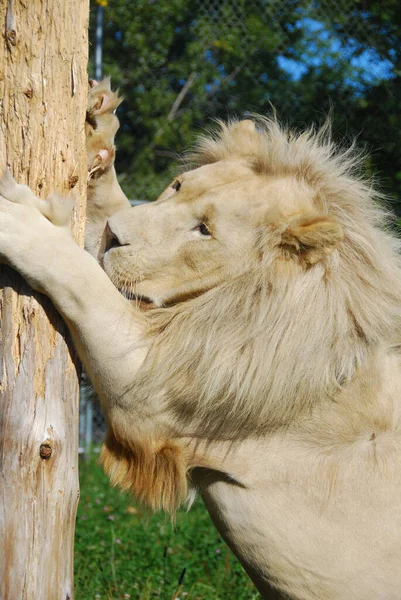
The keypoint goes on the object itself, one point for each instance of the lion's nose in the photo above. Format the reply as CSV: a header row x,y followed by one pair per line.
x,y
112,240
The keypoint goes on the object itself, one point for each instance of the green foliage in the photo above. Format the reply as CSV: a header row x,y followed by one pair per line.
x,y
120,552
182,63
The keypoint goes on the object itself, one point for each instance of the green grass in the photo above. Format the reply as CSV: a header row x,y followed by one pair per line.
x,y
122,552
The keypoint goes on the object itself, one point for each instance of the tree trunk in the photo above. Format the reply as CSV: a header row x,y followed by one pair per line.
x,y
43,88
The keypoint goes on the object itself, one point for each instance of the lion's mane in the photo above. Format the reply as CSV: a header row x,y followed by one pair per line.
x,y
255,351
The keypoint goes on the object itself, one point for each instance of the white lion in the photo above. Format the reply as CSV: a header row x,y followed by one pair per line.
x,y
254,349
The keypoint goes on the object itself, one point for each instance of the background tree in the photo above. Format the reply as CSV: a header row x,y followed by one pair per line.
x,y
181,63
43,87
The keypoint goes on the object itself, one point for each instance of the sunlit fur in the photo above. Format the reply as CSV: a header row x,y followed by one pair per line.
x,y
154,472
258,350
267,368
272,379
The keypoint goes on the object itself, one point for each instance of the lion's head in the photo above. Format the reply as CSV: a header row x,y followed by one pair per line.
x,y
269,273
214,223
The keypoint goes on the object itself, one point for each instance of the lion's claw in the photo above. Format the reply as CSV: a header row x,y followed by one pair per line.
x,y
101,163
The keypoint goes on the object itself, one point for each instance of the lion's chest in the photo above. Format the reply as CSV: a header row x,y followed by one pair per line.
x,y
290,529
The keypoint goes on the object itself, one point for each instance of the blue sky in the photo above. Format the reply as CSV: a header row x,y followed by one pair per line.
x,y
322,47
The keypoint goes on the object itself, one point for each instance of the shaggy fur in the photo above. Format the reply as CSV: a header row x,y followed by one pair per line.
x,y
285,335
155,475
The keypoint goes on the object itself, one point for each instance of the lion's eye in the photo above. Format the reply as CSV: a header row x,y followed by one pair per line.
x,y
203,230
176,185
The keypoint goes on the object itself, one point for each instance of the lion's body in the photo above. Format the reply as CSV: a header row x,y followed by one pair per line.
x,y
318,527
267,368
288,370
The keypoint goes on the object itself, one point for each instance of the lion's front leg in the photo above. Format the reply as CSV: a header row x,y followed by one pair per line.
x,y
111,336
26,224
105,196
35,241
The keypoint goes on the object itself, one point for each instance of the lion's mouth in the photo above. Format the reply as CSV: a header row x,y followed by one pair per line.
x,y
142,302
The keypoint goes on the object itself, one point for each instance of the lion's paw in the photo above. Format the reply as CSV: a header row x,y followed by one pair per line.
x,y
16,192
56,208
101,99
100,127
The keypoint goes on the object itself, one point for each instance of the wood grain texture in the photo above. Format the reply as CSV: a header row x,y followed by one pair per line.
x,y
43,87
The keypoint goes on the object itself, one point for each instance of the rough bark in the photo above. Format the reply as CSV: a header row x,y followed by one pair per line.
x,y
43,86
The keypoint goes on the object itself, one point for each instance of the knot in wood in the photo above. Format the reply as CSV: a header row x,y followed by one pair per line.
x,y
72,181
45,450
11,37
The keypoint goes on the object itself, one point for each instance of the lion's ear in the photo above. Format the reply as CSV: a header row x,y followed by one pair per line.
x,y
244,134
311,237
245,126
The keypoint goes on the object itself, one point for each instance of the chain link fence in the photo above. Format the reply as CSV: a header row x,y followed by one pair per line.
x,y
92,422
230,57
182,63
